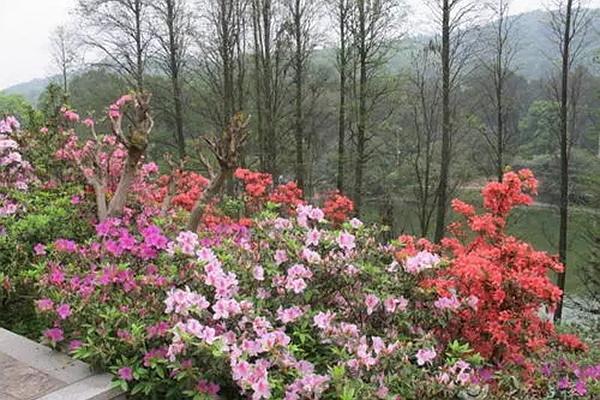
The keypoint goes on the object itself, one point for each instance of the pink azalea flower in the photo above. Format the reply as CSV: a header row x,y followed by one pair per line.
x,y
346,241
88,122
39,249
63,311
425,356
54,335
280,257
126,373
420,262
356,223
44,304
371,301
313,237
258,273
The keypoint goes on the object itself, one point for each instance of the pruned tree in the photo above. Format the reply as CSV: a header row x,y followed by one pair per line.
x,y
569,23
226,151
498,62
173,33
65,54
119,31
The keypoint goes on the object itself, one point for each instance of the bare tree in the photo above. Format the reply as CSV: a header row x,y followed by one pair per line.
x,y
222,58
569,22
340,10
65,54
270,45
173,33
119,31
302,18
453,16
425,113
498,64
374,28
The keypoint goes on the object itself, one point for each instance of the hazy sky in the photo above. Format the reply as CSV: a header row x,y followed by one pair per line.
x,y
26,24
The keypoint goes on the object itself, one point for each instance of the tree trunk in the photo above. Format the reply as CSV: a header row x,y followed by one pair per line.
x,y
212,191
119,200
564,157
298,81
175,80
342,112
362,111
446,127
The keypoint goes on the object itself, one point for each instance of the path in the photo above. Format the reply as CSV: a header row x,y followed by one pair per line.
x,y
30,371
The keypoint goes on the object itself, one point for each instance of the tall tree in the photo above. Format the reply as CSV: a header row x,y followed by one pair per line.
x,y
302,18
65,54
569,23
374,28
340,11
498,64
425,114
452,15
222,58
270,43
119,30
173,33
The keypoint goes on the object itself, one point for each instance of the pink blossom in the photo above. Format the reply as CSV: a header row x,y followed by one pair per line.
x,y
425,356
44,304
371,301
346,241
63,311
258,273
39,249
356,223
88,122
290,314
280,257
313,237
54,335
447,303
210,388
126,373
392,304
75,344
323,320
420,262
44,130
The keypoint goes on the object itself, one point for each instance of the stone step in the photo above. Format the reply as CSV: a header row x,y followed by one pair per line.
x,y
30,371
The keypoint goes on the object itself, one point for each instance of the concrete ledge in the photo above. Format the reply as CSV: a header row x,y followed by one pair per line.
x,y
36,372
95,387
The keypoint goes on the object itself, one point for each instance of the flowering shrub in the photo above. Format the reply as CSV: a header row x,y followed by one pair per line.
x,y
264,316
504,280
338,208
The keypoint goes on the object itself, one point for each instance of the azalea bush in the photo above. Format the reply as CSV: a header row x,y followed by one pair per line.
x,y
296,306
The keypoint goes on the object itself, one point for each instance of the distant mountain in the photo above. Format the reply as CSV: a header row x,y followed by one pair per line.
x,y
534,60
31,90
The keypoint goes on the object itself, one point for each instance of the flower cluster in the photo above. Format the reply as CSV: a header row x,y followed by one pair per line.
x,y
338,208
